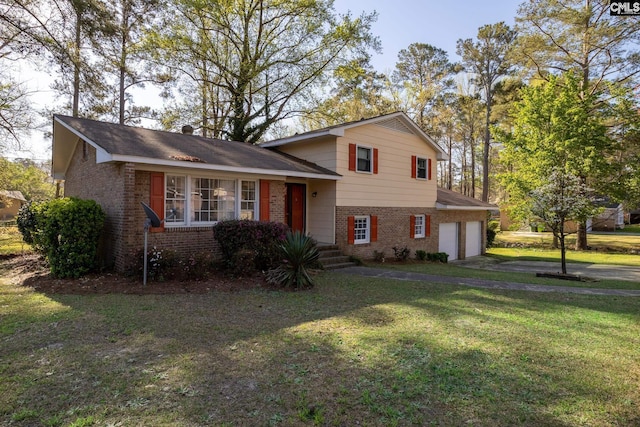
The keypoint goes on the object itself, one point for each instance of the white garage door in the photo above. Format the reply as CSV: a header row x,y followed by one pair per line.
x,y
473,246
448,239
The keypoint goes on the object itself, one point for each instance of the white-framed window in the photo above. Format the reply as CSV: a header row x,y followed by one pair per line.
x,y
361,229
421,168
248,200
419,227
196,201
175,199
364,159
212,200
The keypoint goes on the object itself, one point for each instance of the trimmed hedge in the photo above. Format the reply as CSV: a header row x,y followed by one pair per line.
x,y
259,237
66,231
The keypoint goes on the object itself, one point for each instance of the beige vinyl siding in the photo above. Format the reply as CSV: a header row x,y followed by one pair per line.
x,y
321,210
392,186
321,152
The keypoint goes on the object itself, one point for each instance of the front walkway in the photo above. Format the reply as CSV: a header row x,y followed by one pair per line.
x,y
481,283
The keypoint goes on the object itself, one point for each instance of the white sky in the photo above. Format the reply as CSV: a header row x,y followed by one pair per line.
x,y
400,23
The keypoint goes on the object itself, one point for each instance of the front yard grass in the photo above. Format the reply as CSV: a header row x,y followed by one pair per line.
x,y
11,242
601,244
352,351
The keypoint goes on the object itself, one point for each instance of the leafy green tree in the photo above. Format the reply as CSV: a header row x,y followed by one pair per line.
x,y
424,75
579,36
58,31
24,175
118,42
488,60
554,129
562,197
359,92
257,60
469,124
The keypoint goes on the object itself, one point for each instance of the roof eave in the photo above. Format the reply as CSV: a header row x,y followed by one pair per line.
x,y
304,137
442,206
211,167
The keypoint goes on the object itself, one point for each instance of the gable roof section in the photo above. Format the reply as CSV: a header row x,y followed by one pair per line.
x,y
13,194
397,121
114,142
450,200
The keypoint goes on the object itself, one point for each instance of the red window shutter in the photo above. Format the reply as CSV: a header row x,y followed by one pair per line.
x,y
156,197
375,160
427,225
374,229
429,177
352,157
351,230
264,200
412,226
414,162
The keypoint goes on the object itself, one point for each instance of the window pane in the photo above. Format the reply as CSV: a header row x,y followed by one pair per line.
x,y
361,229
175,196
422,168
224,195
419,228
248,201
364,159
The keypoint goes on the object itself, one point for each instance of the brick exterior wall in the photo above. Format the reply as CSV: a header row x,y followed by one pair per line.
x,y
277,193
118,188
394,229
104,183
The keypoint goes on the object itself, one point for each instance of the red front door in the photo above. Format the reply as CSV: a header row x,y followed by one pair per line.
x,y
295,206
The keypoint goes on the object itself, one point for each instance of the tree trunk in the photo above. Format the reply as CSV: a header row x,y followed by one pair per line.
x,y
581,237
473,167
450,166
75,112
486,150
563,254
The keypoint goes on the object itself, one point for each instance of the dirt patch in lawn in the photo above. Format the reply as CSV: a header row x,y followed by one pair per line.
x,y
31,271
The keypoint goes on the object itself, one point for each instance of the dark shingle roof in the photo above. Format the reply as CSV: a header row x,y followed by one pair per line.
x,y
451,200
119,140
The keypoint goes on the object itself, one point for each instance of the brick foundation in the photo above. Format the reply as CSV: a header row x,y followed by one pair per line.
x,y
394,229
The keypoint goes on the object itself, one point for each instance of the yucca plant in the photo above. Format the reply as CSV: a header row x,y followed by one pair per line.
x,y
299,253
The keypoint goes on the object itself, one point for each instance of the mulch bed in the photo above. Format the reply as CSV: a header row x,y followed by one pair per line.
x,y
31,271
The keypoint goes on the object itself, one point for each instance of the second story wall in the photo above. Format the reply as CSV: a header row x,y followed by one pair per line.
x,y
393,180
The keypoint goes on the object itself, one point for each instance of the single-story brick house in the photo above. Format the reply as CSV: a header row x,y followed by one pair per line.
x,y
366,186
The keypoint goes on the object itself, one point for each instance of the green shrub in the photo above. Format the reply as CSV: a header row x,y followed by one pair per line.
x,y
263,238
27,222
378,256
401,253
243,262
197,266
166,264
492,230
421,255
68,231
438,257
298,253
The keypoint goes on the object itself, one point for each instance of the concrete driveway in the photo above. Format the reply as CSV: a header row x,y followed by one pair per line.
x,y
595,271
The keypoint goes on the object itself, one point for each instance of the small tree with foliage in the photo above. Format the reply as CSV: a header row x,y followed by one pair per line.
x,y
562,198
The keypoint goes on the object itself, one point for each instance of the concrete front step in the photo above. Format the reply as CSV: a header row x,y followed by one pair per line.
x,y
338,266
331,257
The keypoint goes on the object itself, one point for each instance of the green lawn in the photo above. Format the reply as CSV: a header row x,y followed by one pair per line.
x,y
600,243
11,241
352,351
